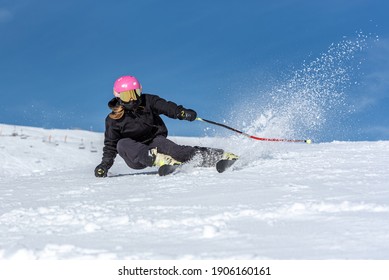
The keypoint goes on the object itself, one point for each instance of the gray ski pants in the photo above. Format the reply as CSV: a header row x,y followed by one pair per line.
x,y
136,154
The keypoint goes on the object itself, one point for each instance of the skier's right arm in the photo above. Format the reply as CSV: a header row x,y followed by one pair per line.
x,y
111,138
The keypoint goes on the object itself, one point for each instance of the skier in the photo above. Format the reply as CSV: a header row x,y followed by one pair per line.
x,y
136,132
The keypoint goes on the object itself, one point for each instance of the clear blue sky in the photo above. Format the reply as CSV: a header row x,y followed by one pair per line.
x,y
59,59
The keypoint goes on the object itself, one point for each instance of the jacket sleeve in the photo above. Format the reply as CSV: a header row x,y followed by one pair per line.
x,y
111,138
167,108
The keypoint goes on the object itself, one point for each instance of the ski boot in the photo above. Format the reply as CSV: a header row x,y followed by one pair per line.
x,y
229,156
162,159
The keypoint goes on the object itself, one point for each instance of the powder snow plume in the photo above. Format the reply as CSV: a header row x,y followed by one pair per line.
x,y
311,99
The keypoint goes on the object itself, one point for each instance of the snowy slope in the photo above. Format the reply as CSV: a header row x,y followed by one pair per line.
x,y
280,201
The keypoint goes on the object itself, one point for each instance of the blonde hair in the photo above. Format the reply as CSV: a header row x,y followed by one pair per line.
x,y
117,112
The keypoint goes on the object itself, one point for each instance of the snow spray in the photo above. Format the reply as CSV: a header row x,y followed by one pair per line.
x,y
312,98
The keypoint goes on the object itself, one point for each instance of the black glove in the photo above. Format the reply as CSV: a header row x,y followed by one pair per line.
x,y
187,114
101,170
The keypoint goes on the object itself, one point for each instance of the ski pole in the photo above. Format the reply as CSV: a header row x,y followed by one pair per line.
x,y
308,141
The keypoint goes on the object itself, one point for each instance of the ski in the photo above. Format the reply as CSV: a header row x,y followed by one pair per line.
x,y
167,169
223,164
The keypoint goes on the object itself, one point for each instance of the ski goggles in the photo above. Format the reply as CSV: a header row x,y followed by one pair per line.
x,y
130,95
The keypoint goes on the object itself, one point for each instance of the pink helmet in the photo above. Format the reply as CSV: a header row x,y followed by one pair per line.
x,y
126,83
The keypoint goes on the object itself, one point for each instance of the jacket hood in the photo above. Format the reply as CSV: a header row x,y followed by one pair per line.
x,y
113,103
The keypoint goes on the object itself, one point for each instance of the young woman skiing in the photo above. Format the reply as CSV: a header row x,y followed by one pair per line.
x,y
136,132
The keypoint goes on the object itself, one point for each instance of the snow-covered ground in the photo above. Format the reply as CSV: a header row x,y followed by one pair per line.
x,y
279,201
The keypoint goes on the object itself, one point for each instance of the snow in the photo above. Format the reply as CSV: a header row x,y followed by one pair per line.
x,y
279,201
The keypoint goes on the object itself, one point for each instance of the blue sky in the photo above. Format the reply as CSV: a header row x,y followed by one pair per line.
x,y
59,59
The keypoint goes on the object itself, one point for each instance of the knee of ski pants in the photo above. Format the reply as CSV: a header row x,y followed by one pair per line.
x,y
135,154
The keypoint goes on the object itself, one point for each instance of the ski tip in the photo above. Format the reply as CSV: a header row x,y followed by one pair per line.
x,y
308,141
224,164
167,169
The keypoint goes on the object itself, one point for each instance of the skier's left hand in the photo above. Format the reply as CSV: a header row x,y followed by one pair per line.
x,y
187,114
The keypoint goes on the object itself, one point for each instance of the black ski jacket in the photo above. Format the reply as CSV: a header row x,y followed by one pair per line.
x,y
142,124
